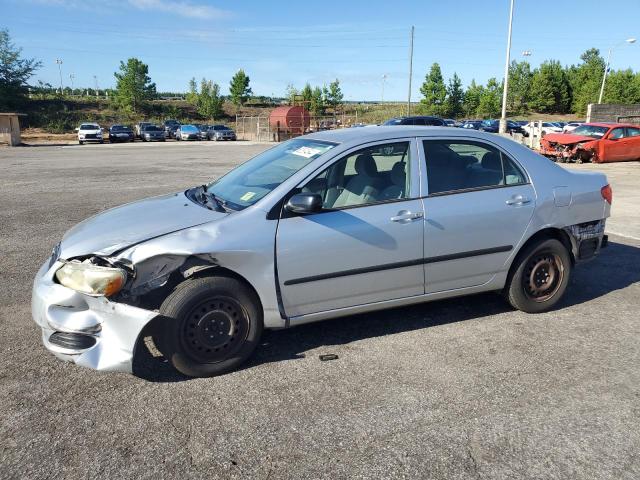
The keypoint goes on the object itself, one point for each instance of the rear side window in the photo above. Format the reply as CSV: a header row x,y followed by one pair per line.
x,y
633,132
459,165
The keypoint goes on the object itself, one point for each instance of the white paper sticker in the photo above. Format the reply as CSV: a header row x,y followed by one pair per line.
x,y
307,152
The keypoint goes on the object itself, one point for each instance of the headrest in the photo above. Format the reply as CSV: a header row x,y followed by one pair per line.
x,y
366,165
398,174
491,161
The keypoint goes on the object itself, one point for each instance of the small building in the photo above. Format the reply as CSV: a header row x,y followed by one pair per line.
x,y
10,128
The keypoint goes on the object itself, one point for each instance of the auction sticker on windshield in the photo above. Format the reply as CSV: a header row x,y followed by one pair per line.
x,y
308,152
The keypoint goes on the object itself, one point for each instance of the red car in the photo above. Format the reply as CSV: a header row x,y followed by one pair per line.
x,y
594,142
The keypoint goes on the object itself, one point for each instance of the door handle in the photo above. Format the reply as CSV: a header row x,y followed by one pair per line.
x,y
405,216
518,200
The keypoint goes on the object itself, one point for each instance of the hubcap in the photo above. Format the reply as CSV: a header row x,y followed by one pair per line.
x,y
214,330
543,276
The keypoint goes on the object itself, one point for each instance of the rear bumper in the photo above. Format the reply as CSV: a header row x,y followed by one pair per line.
x,y
587,239
90,331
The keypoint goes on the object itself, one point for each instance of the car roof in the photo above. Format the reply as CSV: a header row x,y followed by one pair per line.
x,y
372,134
610,124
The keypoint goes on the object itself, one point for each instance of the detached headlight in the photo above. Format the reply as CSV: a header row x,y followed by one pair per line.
x,y
91,279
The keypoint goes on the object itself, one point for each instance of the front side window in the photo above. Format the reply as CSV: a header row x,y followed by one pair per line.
x,y
251,181
616,133
454,165
374,174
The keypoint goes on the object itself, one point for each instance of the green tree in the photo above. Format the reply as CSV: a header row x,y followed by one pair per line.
x,y
472,99
550,88
434,92
291,93
490,99
317,101
585,80
455,97
209,101
307,94
333,95
14,72
520,77
622,86
239,89
133,85
192,94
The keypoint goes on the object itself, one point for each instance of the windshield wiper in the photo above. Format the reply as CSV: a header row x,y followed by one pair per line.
x,y
220,203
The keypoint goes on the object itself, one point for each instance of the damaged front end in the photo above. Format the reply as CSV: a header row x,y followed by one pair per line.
x,y
578,152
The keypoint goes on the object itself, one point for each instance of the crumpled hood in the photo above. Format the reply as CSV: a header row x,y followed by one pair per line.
x,y
567,138
123,226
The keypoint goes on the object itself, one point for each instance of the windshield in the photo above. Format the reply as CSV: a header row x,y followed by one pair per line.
x,y
393,121
248,183
152,128
120,128
88,126
590,131
220,127
188,128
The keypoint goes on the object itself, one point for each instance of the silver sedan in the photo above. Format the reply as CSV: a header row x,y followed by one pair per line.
x,y
321,226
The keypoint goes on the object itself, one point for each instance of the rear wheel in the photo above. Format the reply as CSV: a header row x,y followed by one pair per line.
x,y
540,277
214,325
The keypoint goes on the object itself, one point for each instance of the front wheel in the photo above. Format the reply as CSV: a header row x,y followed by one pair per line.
x,y
213,325
540,277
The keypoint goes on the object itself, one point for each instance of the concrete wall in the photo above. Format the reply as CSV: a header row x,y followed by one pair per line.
x,y
10,130
613,113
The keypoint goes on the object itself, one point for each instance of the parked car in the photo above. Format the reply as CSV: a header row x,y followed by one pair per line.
x,y
203,131
221,132
187,132
493,126
547,127
422,121
89,132
120,133
472,124
170,127
449,122
571,126
153,133
321,226
139,127
594,142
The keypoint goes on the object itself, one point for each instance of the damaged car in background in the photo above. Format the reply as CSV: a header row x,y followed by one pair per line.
x,y
593,142
322,226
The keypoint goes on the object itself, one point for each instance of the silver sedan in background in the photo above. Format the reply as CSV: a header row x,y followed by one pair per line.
x,y
321,226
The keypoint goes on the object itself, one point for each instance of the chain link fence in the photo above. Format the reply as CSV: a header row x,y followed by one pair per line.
x,y
258,129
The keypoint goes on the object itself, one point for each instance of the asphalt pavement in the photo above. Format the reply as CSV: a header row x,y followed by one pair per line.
x,y
464,388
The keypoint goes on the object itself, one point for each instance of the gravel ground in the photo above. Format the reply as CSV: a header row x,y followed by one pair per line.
x,y
463,388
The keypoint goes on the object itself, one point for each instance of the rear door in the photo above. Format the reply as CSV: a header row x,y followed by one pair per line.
x,y
478,207
366,244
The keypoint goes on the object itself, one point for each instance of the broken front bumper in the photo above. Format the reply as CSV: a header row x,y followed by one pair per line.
x,y
90,331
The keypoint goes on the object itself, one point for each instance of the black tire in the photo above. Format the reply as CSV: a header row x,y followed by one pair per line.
x,y
539,276
80,142
213,325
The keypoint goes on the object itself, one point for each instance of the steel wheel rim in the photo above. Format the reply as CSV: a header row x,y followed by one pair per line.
x,y
543,276
214,330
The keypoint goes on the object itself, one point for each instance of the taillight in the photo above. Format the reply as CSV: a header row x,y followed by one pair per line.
x,y
607,193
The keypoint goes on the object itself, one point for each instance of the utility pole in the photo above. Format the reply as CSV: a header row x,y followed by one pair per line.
x,y
384,78
95,79
410,70
503,117
71,77
59,62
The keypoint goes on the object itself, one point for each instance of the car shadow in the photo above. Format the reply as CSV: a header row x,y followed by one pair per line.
x,y
616,268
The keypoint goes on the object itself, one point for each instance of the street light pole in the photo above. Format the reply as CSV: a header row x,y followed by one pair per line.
x,y
606,68
71,77
410,71
384,78
503,116
95,79
59,62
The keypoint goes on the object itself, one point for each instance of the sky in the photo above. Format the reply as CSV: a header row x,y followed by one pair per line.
x,y
280,42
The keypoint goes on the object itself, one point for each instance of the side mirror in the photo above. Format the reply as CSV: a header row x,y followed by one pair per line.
x,y
304,203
